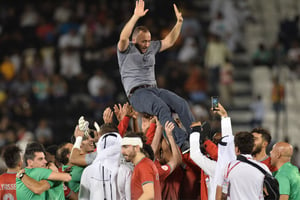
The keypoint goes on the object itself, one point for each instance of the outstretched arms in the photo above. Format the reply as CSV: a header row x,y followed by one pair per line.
x,y
139,11
171,38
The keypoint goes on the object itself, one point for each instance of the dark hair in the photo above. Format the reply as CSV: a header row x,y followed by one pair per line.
x,y
265,134
52,149
11,156
244,141
148,151
138,29
62,154
108,128
31,149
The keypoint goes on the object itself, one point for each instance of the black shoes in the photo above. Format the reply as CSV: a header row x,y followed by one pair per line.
x,y
185,147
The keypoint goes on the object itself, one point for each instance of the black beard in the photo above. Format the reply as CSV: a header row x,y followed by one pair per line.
x,y
257,150
137,46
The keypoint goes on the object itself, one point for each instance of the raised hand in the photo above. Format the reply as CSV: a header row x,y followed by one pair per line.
x,y
178,14
129,111
108,115
221,111
78,132
169,126
83,125
139,10
118,111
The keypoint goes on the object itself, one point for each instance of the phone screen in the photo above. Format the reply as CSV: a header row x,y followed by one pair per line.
x,y
214,102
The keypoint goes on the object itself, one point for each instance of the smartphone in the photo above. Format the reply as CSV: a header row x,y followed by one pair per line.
x,y
214,102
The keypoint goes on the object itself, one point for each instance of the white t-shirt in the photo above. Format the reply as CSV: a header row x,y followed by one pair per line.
x,y
244,181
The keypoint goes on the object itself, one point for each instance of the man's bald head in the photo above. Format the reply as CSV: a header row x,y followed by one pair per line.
x,y
281,153
285,149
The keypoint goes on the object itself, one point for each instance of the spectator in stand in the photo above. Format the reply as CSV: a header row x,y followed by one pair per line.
x,y
13,161
43,132
189,51
262,139
59,91
102,89
41,91
262,56
296,157
278,94
226,82
63,12
136,63
145,178
215,56
293,60
7,69
69,45
258,112
287,175
196,84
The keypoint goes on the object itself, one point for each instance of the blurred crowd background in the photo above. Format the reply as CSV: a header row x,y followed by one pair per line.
x,y
58,62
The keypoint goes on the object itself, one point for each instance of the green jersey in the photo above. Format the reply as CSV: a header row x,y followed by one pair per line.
x,y
76,172
56,192
289,181
38,174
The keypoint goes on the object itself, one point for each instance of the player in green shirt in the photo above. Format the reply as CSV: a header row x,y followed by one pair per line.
x,y
62,155
287,175
35,179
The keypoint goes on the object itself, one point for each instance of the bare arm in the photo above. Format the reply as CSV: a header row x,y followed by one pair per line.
x,y
284,197
171,38
148,192
219,194
76,158
176,155
37,187
157,137
127,30
135,125
59,176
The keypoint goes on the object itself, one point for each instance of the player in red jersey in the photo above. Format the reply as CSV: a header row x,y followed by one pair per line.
x,y
13,161
262,139
145,178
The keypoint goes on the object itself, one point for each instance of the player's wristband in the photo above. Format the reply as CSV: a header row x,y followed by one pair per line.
x,y
77,142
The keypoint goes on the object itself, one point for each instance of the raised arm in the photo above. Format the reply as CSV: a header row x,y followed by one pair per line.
x,y
157,137
76,158
171,38
139,11
176,155
196,155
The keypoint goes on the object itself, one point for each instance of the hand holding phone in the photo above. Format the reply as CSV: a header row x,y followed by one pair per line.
x,y
215,103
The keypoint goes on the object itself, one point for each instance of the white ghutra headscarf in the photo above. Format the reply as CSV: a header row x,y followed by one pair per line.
x,y
99,180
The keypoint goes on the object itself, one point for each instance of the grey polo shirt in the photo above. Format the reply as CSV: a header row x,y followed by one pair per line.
x,y
137,68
